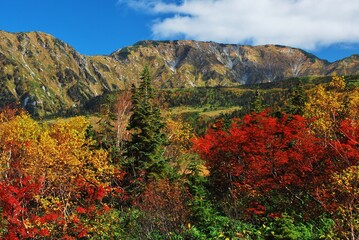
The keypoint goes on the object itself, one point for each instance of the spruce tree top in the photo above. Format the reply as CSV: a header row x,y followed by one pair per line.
x,y
146,146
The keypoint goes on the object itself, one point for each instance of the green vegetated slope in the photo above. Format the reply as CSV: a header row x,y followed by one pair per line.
x,y
47,76
201,106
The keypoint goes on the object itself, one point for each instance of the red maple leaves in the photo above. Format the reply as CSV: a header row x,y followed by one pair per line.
x,y
261,154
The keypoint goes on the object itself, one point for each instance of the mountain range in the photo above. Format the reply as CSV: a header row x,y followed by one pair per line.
x,y
46,75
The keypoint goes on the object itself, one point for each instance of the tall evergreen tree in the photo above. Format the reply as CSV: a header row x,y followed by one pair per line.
x,y
257,105
297,99
144,152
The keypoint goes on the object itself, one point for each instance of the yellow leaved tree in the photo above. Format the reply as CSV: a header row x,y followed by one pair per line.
x,y
179,134
346,195
72,176
327,105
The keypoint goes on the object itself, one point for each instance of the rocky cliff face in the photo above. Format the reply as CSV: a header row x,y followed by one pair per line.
x,y
191,63
47,76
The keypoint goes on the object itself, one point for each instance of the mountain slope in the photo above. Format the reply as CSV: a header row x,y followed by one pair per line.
x,y
48,76
346,66
191,63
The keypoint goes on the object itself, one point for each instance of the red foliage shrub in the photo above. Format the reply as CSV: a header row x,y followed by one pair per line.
x,y
261,154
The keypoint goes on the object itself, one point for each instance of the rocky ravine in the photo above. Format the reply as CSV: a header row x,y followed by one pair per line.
x,y
48,76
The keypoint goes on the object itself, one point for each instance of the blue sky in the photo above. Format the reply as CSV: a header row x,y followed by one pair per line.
x,y
326,28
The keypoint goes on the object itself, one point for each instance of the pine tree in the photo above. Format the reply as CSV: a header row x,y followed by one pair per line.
x,y
144,152
297,99
257,105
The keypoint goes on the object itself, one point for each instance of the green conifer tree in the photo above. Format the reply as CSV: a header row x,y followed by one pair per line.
x,y
296,102
144,152
257,105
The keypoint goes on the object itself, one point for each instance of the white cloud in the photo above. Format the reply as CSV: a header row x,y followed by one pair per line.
x,y
307,24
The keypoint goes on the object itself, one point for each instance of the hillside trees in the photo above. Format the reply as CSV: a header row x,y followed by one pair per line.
x,y
267,175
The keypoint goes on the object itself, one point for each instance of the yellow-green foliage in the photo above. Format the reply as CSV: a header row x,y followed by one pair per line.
x,y
346,192
328,104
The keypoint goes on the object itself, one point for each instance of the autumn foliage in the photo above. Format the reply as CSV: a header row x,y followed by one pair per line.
x,y
262,155
164,206
265,175
50,177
